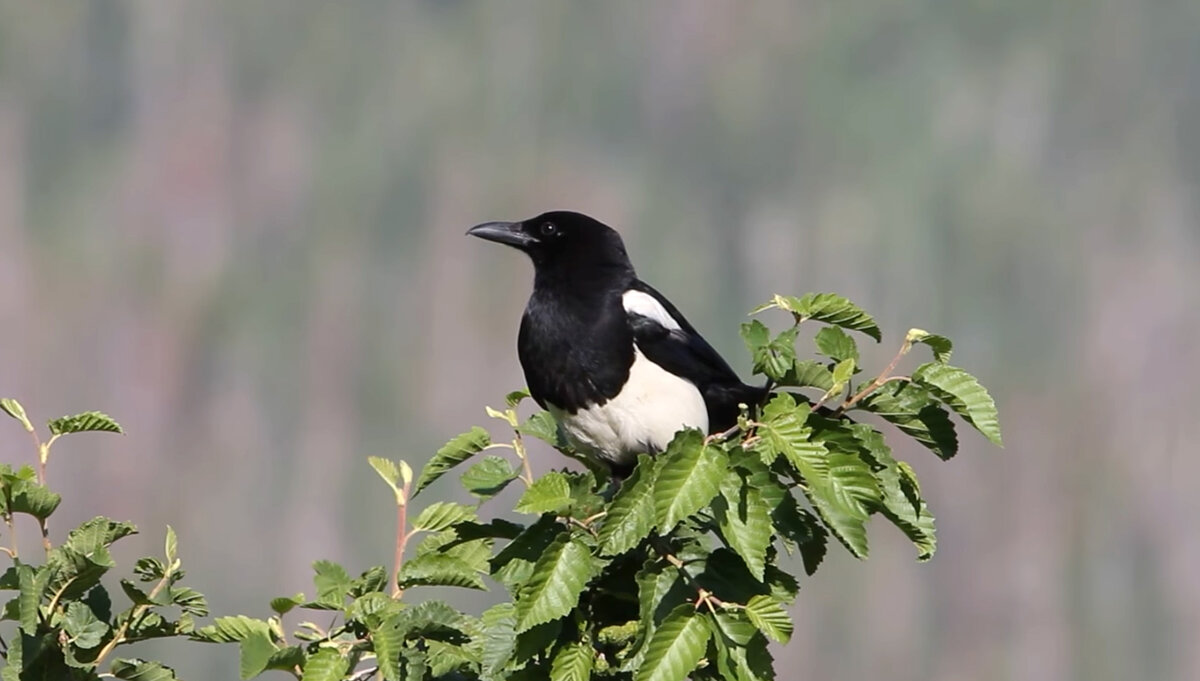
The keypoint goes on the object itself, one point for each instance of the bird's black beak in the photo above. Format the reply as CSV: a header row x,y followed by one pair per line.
x,y
509,233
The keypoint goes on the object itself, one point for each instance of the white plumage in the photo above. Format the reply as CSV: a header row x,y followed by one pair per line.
x,y
651,408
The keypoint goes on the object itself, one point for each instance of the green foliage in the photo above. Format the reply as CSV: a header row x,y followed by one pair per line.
x,y
677,572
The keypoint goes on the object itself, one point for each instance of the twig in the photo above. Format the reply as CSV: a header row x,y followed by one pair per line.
x,y
883,377
519,447
401,541
366,675
702,595
119,637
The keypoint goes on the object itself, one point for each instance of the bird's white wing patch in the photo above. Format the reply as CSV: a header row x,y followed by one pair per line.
x,y
644,304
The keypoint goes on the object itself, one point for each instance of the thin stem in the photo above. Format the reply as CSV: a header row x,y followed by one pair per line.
x,y
702,595
883,377
12,534
402,536
119,637
519,447
366,675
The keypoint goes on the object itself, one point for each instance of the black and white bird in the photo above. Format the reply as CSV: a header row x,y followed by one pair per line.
x,y
615,363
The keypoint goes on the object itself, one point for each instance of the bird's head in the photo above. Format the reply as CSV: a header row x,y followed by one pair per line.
x,y
560,239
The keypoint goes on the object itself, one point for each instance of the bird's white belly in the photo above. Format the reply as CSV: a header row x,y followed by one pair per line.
x,y
651,408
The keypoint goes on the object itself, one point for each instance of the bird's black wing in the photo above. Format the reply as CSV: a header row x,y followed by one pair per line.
x,y
666,338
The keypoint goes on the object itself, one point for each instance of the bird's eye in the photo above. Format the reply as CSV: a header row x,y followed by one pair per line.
x,y
549,229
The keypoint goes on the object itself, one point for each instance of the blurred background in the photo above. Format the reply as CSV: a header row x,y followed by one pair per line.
x,y
238,228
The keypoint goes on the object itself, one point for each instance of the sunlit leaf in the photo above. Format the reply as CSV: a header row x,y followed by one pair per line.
x,y
558,579
443,514
836,344
87,421
768,615
745,522
941,346
688,480
573,662
630,516
451,454
963,393
826,307
676,648
550,493
488,477
917,413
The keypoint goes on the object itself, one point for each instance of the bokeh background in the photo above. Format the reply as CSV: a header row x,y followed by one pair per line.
x,y
238,228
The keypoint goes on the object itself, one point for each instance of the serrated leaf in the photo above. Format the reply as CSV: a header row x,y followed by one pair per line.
x,y
447,658
171,545
189,600
14,409
677,647
32,587
256,651
388,640
768,615
836,484
141,670
513,565
82,626
836,344
231,629
826,307
963,393
550,493
390,472
573,662
543,426
441,515
558,579
630,517
435,569
773,357
325,665
941,346
745,523
690,477
26,496
809,374
284,604
912,409
332,582
499,624
488,477
451,454
87,421
802,528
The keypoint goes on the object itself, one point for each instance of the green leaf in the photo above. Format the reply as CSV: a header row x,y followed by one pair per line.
x,y
801,527
630,517
332,582
388,640
447,658
82,626
499,624
963,393
26,496
836,344
745,523
435,569
171,545
32,588
87,421
14,409
773,357
451,454
809,374
513,565
558,579
284,604
256,651
443,514
768,615
676,648
550,493
543,426
574,662
232,629
836,484
141,670
941,346
826,307
325,665
912,409
390,472
488,477
515,397
690,477
189,600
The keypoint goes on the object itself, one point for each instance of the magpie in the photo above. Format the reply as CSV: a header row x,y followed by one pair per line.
x,y
612,360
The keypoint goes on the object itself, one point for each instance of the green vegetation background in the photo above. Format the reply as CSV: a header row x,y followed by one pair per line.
x,y
237,227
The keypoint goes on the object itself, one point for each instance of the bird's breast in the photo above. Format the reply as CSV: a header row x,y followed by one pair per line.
x,y
644,415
